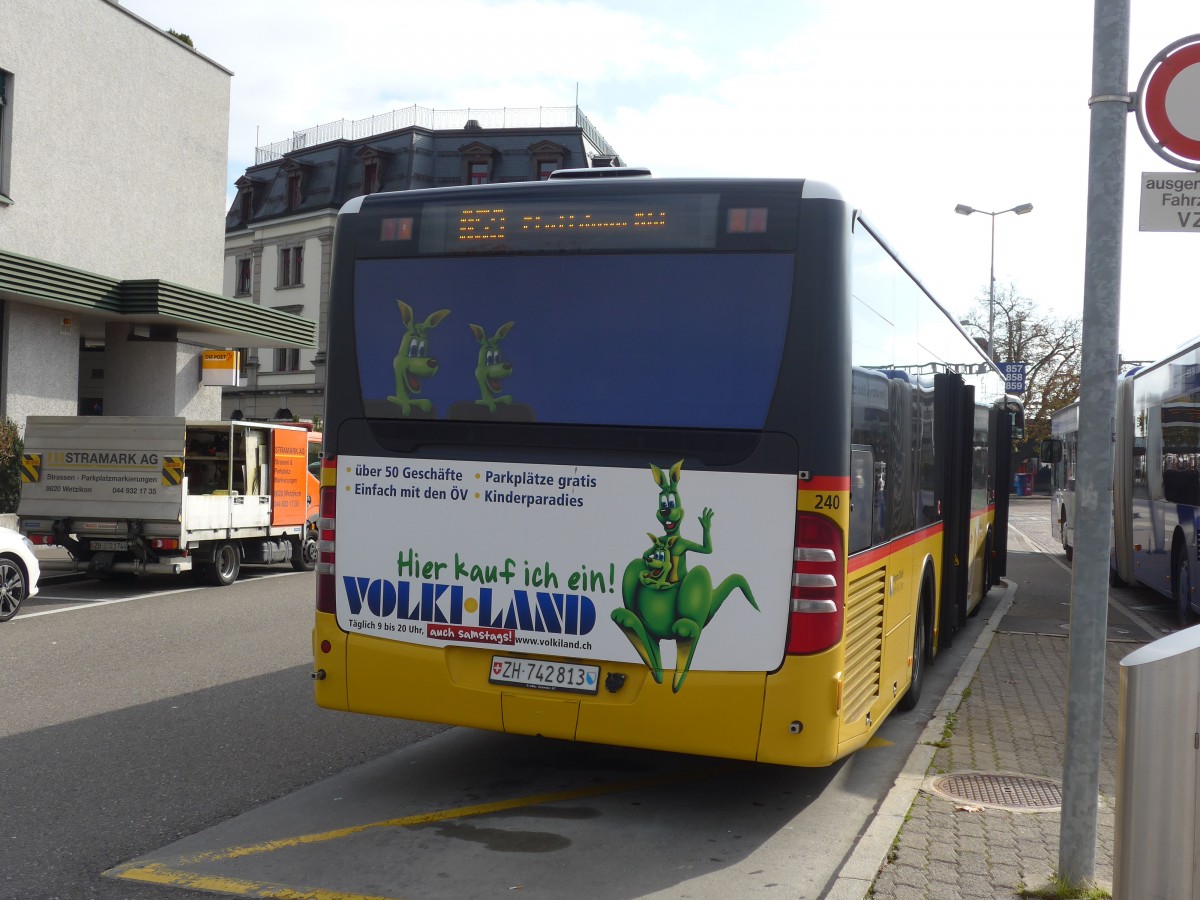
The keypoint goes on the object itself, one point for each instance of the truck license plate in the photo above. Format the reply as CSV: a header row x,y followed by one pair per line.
x,y
109,545
549,676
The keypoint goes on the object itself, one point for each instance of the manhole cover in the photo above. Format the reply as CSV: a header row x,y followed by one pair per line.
x,y
1018,793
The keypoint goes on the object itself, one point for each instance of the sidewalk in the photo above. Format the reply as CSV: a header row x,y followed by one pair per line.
x,y
975,813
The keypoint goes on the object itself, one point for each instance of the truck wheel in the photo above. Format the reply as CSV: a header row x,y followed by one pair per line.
x,y
14,587
304,552
226,564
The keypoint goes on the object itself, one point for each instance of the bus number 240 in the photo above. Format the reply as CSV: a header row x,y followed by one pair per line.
x,y
828,501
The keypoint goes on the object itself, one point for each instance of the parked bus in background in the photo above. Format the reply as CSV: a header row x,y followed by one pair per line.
x,y
1156,483
689,465
1064,431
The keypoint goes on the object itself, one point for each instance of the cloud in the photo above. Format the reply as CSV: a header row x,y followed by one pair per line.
x,y
908,108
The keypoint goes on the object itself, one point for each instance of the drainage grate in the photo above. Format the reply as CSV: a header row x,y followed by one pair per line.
x,y
1018,793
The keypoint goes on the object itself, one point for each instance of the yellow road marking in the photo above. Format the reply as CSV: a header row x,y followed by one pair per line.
x,y
159,873
442,815
155,873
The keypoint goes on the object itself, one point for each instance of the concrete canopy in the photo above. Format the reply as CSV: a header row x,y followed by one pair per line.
x,y
189,315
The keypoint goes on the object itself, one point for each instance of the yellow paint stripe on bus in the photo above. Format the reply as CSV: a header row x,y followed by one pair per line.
x,y
156,873
460,812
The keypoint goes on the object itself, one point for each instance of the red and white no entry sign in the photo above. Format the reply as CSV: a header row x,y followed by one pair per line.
x,y
1168,110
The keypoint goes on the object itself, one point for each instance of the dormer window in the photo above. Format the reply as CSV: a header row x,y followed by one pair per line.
x,y
374,167
295,194
480,161
297,174
247,198
547,157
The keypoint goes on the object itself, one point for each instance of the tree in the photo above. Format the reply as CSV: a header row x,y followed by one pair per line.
x,y
1050,347
11,448
181,37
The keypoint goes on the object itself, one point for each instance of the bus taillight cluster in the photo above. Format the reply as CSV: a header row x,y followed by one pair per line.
x,y
818,590
326,525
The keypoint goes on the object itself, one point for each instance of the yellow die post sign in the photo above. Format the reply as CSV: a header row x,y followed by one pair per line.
x,y
31,468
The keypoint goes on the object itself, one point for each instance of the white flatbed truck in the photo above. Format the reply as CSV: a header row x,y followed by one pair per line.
x,y
147,494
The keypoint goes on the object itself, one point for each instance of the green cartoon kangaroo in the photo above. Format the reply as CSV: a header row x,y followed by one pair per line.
x,y
657,572
413,362
490,369
663,598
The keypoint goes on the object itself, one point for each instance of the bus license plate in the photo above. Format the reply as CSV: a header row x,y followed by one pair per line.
x,y
550,676
109,545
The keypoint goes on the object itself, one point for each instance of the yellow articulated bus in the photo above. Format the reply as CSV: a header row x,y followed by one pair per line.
x,y
689,465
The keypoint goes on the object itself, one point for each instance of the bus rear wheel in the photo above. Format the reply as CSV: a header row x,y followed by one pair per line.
x,y
913,695
1181,587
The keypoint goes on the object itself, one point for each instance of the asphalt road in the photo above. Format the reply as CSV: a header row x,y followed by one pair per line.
x,y
1152,613
125,726
141,713
141,716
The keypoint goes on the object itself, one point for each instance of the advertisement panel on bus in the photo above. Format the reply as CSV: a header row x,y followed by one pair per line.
x,y
593,563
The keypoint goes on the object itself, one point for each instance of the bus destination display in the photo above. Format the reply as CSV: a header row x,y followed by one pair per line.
x,y
682,221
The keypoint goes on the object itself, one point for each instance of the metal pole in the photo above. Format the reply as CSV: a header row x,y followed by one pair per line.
x,y
992,295
1098,393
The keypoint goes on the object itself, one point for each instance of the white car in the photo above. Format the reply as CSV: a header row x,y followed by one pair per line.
x,y
19,572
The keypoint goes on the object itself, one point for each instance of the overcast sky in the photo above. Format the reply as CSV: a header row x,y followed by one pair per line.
x,y
908,108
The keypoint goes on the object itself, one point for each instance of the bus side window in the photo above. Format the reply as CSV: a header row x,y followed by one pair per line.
x,y
1051,450
1016,417
862,496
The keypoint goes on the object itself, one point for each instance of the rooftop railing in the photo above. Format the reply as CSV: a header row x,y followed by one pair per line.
x,y
435,120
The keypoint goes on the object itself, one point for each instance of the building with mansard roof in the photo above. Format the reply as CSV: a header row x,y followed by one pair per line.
x,y
279,228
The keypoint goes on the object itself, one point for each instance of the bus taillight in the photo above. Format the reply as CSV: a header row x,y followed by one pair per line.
x,y
326,525
818,593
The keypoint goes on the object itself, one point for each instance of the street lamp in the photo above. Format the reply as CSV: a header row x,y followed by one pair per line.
x,y
964,210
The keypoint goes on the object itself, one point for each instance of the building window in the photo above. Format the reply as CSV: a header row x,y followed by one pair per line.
x,y
479,162
5,132
547,157
478,173
245,272
374,167
291,266
287,359
294,194
247,198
